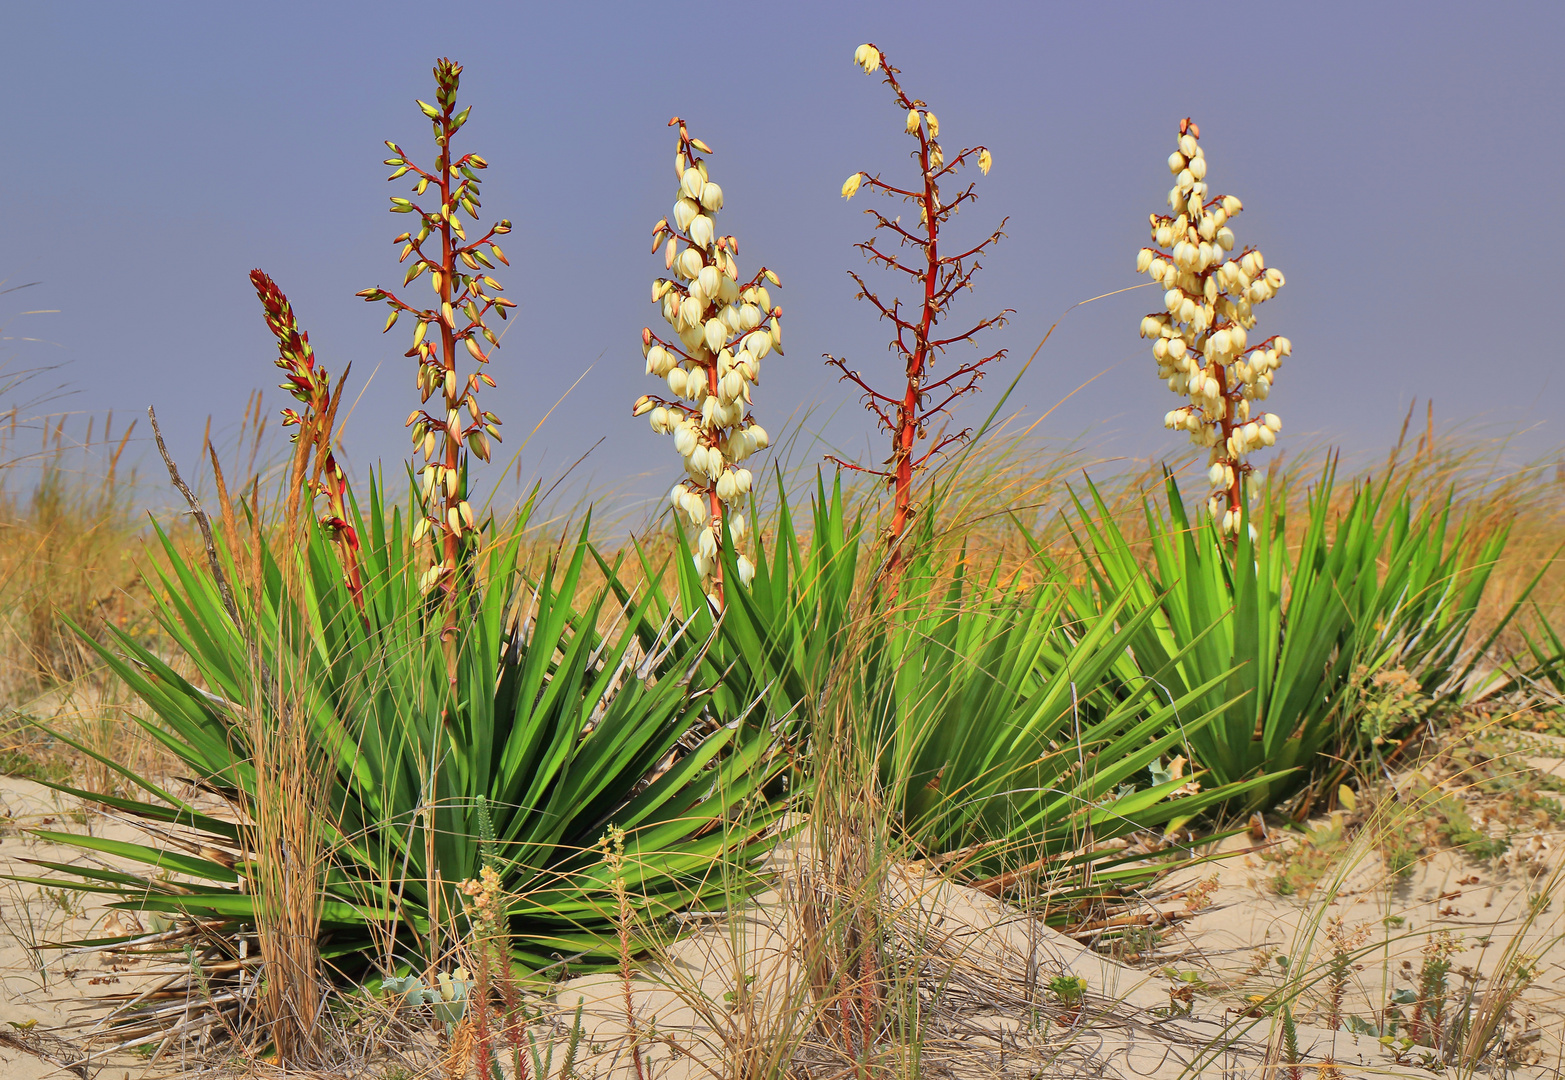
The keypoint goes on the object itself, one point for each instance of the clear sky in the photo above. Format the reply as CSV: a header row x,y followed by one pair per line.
x,y
1402,163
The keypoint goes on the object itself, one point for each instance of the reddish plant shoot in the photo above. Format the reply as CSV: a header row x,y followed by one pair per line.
x,y
916,260
450,329
309,383
721,329
1201,337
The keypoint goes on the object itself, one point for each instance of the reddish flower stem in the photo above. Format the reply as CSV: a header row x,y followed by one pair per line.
x,y
905,416
312,386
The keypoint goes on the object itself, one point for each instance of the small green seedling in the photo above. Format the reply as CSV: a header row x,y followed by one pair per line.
x,y
1068,990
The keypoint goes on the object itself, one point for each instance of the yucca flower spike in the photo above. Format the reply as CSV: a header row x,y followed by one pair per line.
x,y
1201,337
452,328
720,329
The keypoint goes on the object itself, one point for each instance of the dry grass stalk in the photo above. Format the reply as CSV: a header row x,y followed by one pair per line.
x,y
289,862
288,797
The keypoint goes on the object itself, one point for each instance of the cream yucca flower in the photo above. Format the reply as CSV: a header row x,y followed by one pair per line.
x,y
721,331
1201,337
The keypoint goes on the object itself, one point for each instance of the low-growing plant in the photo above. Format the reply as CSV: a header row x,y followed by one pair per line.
x,y
1391,701
1068,990
1424,1026
1394,579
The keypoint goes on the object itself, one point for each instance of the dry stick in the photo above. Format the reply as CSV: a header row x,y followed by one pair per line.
x,y
213,561
201,520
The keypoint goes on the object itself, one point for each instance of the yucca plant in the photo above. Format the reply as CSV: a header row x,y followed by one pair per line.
x,y
458,712
548,740
1002,722
768,652
1390,580
1006,732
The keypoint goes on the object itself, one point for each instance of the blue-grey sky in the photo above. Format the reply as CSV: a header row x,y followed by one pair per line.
x,y
1402,164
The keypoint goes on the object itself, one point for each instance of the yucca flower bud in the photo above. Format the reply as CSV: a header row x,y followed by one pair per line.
x,y
702,231
912,121
850,186
429,578
685,211
867,57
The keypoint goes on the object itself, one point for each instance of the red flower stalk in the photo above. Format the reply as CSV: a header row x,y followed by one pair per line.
x,y
939,278
308,382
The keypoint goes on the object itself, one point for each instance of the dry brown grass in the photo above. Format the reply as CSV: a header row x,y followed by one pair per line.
x,y
71,551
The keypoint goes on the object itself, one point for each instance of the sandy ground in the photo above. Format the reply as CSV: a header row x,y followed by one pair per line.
x,y
42,989
1186,1006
